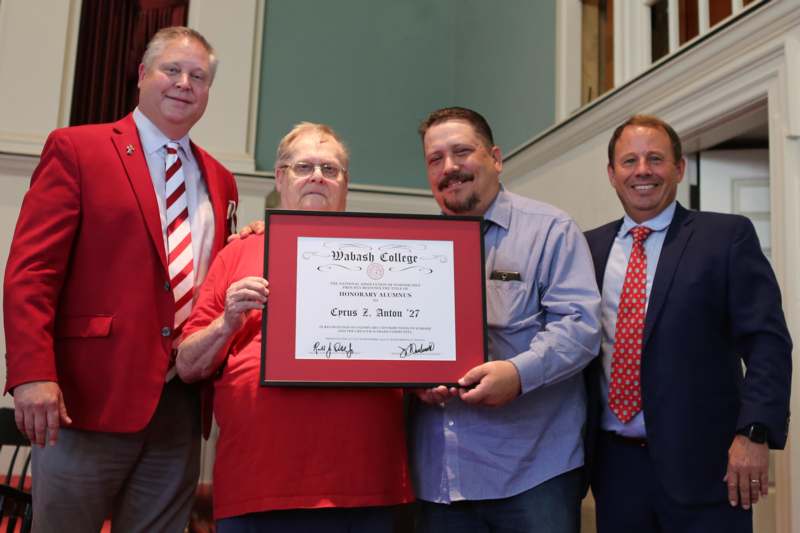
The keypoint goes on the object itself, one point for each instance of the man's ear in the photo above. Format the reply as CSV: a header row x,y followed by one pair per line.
x,y
498,158
280,177
681,166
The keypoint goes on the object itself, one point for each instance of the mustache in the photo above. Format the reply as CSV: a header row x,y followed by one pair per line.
x,y
455,176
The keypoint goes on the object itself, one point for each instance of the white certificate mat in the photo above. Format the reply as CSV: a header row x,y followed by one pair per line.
x,y
375,299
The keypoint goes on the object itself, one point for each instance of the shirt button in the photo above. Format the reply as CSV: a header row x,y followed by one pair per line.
x,y
166,286
166,332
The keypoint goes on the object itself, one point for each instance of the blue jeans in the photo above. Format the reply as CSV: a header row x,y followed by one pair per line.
x,y
551,507
335,520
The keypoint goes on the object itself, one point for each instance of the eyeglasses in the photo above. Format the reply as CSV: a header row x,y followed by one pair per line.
x,y
303,169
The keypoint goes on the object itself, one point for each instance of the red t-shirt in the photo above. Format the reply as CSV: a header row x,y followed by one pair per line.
x,y
291,448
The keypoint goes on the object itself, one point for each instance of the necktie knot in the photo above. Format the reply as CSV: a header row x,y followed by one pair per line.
x,y
640,233
172,148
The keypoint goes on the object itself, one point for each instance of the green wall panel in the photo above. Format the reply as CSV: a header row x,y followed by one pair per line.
x,y
373,69
505,66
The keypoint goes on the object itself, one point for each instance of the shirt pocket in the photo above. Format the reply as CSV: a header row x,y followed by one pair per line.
x,y
83,326
505,302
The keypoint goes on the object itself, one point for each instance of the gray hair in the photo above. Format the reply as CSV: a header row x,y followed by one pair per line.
x,y
166,35
284,153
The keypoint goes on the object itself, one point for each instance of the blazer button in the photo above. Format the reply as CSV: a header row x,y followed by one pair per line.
x,y
167,288
166,332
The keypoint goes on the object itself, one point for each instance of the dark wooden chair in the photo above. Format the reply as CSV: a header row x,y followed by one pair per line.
x,y
16,508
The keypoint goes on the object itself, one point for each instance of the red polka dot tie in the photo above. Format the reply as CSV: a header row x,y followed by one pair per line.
x,y
624,388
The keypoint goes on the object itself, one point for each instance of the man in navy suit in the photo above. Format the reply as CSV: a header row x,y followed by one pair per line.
x,y
693,385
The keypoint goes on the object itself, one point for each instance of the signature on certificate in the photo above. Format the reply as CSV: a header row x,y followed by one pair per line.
x,y
414,348
333,348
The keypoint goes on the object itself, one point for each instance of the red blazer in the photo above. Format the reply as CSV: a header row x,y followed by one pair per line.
x,y
86,296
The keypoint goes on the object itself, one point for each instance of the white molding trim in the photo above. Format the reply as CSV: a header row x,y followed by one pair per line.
x,y
365,198
378,202
227,130
703,18
676,83
619,40
360,187
792,55
248,182
36,91
673,25
640,43
70,57
17,165
22,144
568,57
784,163
387,189
255,82
632,47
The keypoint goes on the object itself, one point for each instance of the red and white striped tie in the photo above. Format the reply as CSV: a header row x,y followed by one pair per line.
x,y
179,238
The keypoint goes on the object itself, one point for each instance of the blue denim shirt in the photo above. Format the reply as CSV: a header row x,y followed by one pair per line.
x,y
547,325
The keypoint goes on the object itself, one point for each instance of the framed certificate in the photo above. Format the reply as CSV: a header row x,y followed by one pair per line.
x,y
372,299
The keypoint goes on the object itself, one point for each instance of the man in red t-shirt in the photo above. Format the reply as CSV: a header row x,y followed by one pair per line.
x,y
291,459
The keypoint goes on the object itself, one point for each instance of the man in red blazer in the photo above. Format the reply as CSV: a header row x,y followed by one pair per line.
x,y
113,236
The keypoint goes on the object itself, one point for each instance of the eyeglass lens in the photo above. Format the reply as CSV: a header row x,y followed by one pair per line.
x,y
304,168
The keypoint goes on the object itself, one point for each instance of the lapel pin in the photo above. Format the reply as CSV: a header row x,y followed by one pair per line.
x,y
129,149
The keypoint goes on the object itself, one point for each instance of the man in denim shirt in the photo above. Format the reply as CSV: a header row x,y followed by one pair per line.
x,y
503,452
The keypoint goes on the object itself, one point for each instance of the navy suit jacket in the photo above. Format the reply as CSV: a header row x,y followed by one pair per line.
x,y
714,304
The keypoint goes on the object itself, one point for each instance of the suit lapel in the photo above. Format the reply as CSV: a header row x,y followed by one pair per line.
x,y
129,148
215,194
678,235
600,244
600,241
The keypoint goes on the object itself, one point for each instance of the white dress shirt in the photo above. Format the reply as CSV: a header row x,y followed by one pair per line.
x,y
613,279
201,214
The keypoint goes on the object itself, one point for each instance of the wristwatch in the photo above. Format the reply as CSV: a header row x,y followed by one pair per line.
x,y
755,432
